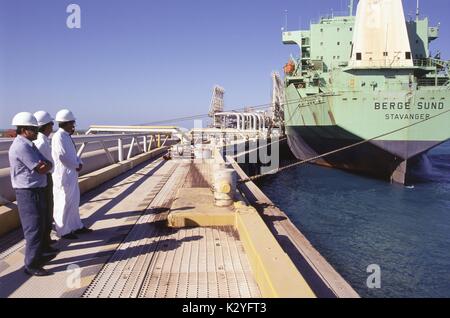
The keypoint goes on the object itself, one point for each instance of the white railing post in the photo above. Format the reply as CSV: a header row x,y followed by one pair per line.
x,y
165,140
120,150
108,154
145,143
81,150
130,151
150,143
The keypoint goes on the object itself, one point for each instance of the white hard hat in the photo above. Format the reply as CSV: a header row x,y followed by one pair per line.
x,y
43,118
64,115
24,119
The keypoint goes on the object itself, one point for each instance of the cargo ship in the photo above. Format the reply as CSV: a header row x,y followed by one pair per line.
x,y
367,87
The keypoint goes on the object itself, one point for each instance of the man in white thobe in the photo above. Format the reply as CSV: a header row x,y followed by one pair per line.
x,y
66,191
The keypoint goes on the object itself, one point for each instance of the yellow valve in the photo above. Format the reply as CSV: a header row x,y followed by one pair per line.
x,y
225,187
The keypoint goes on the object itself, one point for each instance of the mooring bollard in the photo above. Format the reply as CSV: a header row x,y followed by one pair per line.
x,y
225,181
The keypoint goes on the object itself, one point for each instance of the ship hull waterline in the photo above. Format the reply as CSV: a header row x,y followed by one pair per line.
x,y
393,161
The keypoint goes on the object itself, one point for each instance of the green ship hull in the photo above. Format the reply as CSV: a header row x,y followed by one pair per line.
x,y
381,117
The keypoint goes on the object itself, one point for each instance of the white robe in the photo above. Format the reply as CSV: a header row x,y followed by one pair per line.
x,y
66,192
43,144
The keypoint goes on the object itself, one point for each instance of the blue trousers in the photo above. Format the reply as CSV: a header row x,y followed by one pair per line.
x,y
32,212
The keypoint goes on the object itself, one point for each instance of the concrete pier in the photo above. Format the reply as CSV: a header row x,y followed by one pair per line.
x,y
158,234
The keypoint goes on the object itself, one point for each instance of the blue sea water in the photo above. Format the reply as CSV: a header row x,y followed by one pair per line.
x,y
355,221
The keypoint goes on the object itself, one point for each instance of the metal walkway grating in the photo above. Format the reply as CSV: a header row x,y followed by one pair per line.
x,y
186,263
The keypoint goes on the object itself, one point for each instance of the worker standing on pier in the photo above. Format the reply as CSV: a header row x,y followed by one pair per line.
x,y
45,122
66,191
28,177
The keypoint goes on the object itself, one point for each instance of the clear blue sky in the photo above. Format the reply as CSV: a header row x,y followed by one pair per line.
x,y
139,61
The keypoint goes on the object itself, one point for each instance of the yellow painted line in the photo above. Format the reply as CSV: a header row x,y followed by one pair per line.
x,y
274,271
193,219
195,207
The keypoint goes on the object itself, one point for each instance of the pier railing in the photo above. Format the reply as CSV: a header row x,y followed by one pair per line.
x,y
96,150
143,143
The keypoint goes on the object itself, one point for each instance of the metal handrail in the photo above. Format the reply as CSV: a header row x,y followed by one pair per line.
x,y
147,146
422,63
432,82
83,141
98,138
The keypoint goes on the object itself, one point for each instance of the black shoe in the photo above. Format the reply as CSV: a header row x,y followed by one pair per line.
x,y
70,236
50,250
83,230
36,272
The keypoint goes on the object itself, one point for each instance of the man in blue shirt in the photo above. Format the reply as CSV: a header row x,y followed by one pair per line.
x,y
28,177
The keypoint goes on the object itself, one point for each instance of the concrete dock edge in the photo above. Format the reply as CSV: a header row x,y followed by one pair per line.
x,y
324,280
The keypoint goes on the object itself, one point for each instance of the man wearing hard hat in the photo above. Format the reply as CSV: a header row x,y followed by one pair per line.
x,y
28,177
66,191
45,122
